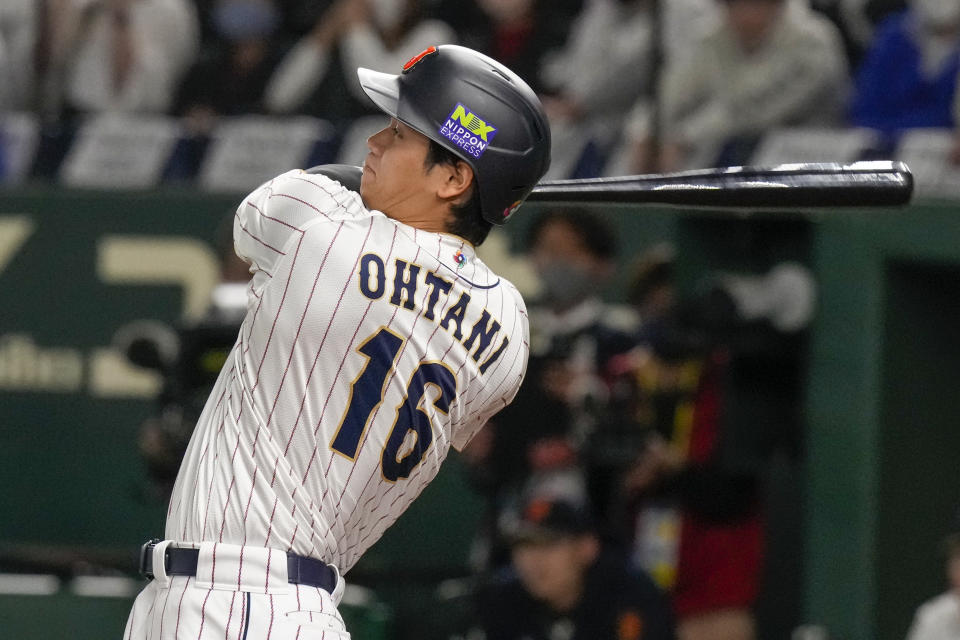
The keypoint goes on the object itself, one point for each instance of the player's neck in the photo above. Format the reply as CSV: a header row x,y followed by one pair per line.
x,y
434,219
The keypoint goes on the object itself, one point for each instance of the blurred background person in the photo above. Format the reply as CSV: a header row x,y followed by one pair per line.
x,y
518,33
908,78
592,82
857,21
574,333
939,617
769,63
116,55
318,76
718,382
476,21
564,583
18,35
230,76
549,434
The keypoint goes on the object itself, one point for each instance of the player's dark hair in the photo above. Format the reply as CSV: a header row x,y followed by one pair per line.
x,y
596,234
468,222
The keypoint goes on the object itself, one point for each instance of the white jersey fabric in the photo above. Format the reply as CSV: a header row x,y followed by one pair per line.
x,y
368,349
937,619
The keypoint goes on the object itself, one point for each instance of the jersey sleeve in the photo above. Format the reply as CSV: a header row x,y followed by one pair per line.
x,y
503,379
273,217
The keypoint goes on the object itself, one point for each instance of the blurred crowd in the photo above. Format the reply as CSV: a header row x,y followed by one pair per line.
x,y
658,419
630,85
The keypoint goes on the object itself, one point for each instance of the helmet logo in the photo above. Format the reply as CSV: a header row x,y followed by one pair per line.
x,y
468,131
412,62
512,209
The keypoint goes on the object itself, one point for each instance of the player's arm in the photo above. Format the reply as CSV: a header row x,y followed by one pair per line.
x,y
347,175
270,220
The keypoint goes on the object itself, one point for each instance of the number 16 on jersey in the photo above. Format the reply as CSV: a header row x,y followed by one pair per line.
x,y
366,395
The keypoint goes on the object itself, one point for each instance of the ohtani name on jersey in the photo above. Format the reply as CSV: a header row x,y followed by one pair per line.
x,y
403,293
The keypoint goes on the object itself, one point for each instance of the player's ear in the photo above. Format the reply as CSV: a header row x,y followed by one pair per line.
x,y
457,180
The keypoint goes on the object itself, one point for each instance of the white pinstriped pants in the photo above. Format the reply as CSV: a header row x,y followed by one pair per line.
x,y
240,593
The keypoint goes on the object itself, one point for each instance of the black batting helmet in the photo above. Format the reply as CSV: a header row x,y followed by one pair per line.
x,y
478,109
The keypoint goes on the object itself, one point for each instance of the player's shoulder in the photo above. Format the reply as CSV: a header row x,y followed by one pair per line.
x,y
945,606
311,184
314,193
513,293
481,273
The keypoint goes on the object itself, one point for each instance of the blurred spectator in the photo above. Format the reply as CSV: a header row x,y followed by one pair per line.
x,y
318,76
115,55
770,63
858,24
572,330
574,335
518,33
909,76
857,20
939,618
230,77
605,67
564,584
18,32
718,385
852,23
468,20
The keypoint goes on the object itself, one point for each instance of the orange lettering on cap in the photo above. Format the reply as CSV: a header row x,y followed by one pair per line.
x,y
412,62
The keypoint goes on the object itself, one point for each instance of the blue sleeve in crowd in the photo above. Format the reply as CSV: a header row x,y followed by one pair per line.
x,y
891,93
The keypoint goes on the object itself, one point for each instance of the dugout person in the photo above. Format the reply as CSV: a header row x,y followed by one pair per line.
x,y
718,381
565,584
574,335
557,427
939,618
374,340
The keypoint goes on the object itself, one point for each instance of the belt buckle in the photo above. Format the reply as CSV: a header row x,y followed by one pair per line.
x,y
146,558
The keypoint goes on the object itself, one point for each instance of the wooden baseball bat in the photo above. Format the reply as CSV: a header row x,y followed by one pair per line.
x,y
791,186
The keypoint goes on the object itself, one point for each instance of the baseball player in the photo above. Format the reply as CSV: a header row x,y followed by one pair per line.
x,y
374,339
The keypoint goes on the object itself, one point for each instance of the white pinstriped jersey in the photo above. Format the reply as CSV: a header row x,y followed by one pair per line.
x,y
368,349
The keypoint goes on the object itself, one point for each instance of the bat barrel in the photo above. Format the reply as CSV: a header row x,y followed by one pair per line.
x,y
861,184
